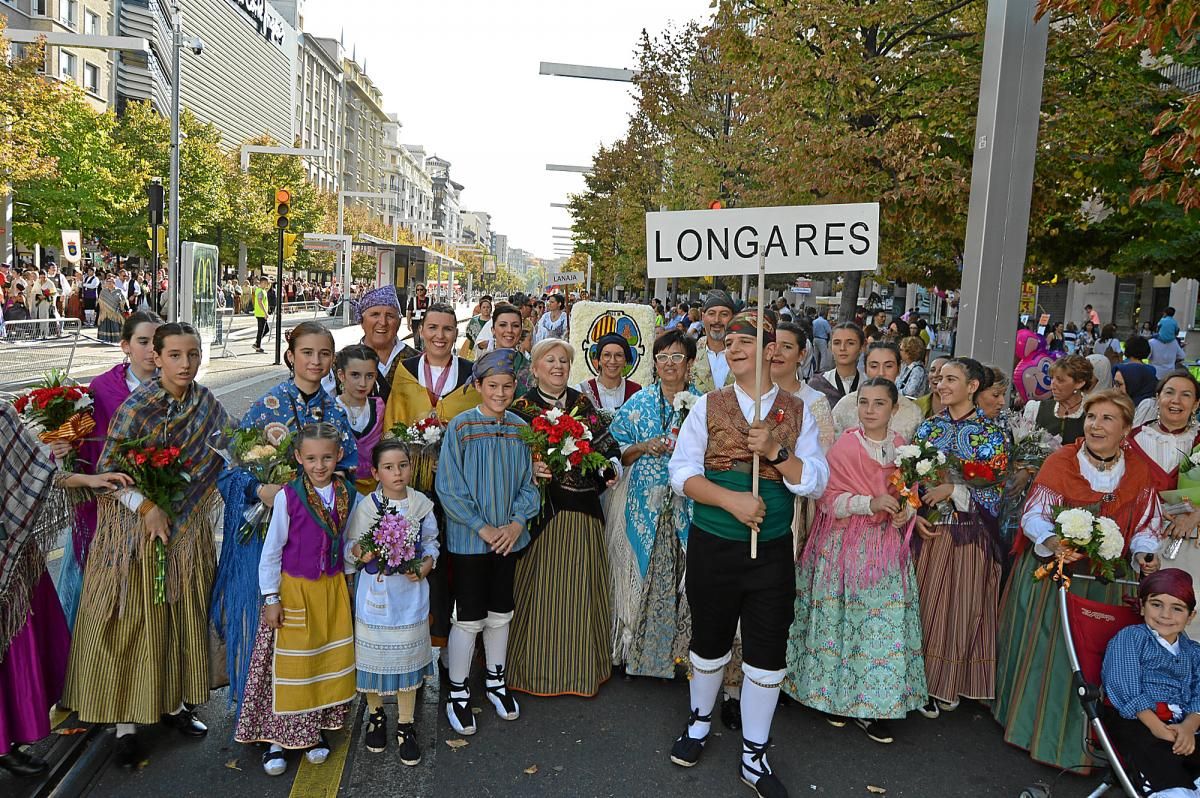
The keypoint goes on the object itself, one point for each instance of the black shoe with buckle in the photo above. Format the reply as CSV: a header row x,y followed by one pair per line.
x,y
406,738
22,763
186,723
376,736
129,752
687,749
458,708
758,775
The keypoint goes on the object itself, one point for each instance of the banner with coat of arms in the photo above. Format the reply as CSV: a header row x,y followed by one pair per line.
x,y
72,250
591,321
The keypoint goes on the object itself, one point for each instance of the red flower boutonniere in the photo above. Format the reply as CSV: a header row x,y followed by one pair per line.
x,y
778,416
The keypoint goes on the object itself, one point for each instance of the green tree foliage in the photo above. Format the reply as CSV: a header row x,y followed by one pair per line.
x,y
28,102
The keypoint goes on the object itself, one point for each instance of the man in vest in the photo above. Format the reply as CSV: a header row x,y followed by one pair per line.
x,y
711,369
261,312
378,311
712,465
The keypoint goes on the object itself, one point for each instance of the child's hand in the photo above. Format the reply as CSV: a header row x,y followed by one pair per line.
x,y
426,567
1185,740
356,553
507,538
273,616
886,504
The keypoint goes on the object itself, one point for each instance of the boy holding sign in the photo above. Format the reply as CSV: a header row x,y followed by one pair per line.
x,y
727,583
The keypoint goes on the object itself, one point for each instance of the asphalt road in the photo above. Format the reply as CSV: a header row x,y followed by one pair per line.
x,y
613,745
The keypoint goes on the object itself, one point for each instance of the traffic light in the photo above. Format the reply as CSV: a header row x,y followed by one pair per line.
x,y
162,239
289,245
283,206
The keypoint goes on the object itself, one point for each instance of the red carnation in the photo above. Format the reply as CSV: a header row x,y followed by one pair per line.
x,y
20,404
139,458
585,447
160,459
173,451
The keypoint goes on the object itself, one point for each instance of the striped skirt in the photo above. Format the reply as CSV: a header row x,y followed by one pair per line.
x,y
1035,701
959,586
133,660
560,638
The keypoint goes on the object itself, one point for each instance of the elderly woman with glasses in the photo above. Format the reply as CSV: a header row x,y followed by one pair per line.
x,y
609,389
647,522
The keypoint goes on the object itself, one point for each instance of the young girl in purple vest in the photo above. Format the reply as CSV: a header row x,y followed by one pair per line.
x,y
391,608
301,678
357,367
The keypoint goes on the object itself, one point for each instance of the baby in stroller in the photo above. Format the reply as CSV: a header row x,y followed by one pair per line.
x,y
1151,677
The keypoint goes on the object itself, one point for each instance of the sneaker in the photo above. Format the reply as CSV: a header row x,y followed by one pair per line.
x,y
458,708
758,775
319,752
687,750
878,730
406,738
930,710
274,763
497,692
376,736
947,706
836,721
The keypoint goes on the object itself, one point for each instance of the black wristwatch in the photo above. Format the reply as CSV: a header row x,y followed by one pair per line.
x,y
780,456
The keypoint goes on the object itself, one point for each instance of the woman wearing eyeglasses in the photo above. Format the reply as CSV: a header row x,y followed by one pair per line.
x,y
647,522
609,389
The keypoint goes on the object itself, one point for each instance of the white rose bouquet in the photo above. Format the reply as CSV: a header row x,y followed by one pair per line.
x,y
919,463
1095,536
267,454
1031,443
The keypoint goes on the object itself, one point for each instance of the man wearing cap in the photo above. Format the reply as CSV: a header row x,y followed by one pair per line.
x,y
712,465
711,369
609,389
417,306
379,314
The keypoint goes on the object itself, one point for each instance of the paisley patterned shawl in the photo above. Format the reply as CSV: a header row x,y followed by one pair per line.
x,y
975,438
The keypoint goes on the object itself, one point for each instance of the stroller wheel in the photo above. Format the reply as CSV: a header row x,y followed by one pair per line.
x,y
1038,790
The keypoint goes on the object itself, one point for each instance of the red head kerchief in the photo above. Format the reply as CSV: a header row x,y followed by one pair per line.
x,y
1172,581
746,323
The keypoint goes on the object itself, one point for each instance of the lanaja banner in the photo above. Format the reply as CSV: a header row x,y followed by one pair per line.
x,y
805,239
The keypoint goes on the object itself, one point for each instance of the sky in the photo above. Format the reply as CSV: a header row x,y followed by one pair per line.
x,y
463,77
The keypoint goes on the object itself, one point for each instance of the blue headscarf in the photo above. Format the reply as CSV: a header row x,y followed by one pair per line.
x,y
498,361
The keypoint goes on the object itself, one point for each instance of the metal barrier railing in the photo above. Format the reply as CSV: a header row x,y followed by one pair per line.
x,y
31,348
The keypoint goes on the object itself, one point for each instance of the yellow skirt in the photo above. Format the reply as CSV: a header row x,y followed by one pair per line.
x,y
314,651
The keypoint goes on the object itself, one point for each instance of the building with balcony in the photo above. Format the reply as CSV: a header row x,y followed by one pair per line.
x,y
91,70
406,179
363,123
447,221
319,101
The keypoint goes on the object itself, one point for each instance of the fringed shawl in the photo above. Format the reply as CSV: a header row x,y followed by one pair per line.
x,y
885,547
1060,483
109,392
28,524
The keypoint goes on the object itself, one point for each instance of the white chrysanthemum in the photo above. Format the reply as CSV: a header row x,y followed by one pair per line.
x,y
1076,525
941,458
1195,458
554,414
924,467
1112,542
432,435
907,452
684,400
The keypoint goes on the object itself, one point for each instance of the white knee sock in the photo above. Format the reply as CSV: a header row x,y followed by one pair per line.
x,y
760,695
495,639
703,688
461,647
124,729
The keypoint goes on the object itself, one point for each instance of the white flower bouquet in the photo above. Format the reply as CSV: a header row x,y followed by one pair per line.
x,y
1031,444
917,464
1095,536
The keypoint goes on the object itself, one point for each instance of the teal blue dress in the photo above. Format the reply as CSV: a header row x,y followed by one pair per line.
x,y
647,534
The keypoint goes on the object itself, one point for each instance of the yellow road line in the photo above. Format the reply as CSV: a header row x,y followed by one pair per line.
x,y
322,781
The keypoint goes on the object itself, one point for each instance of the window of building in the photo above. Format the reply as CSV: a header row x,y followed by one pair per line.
x,y
39,7
91,23
91,78
66,65
68,12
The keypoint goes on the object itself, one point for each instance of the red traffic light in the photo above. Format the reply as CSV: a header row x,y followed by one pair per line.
x,y
715,205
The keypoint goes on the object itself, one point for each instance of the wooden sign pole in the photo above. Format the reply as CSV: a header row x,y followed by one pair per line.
x,y
758,389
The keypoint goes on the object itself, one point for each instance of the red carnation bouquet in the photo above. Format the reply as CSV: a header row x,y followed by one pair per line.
x,y
161,475
64,412
563,442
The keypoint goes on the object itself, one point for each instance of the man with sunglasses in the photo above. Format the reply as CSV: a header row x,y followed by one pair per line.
x,y
415,313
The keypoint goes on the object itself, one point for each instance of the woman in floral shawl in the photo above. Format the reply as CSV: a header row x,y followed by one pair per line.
x,y
283,410
647,522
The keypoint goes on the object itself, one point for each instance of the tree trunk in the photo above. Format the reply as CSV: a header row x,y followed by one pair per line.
x,y
850,284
